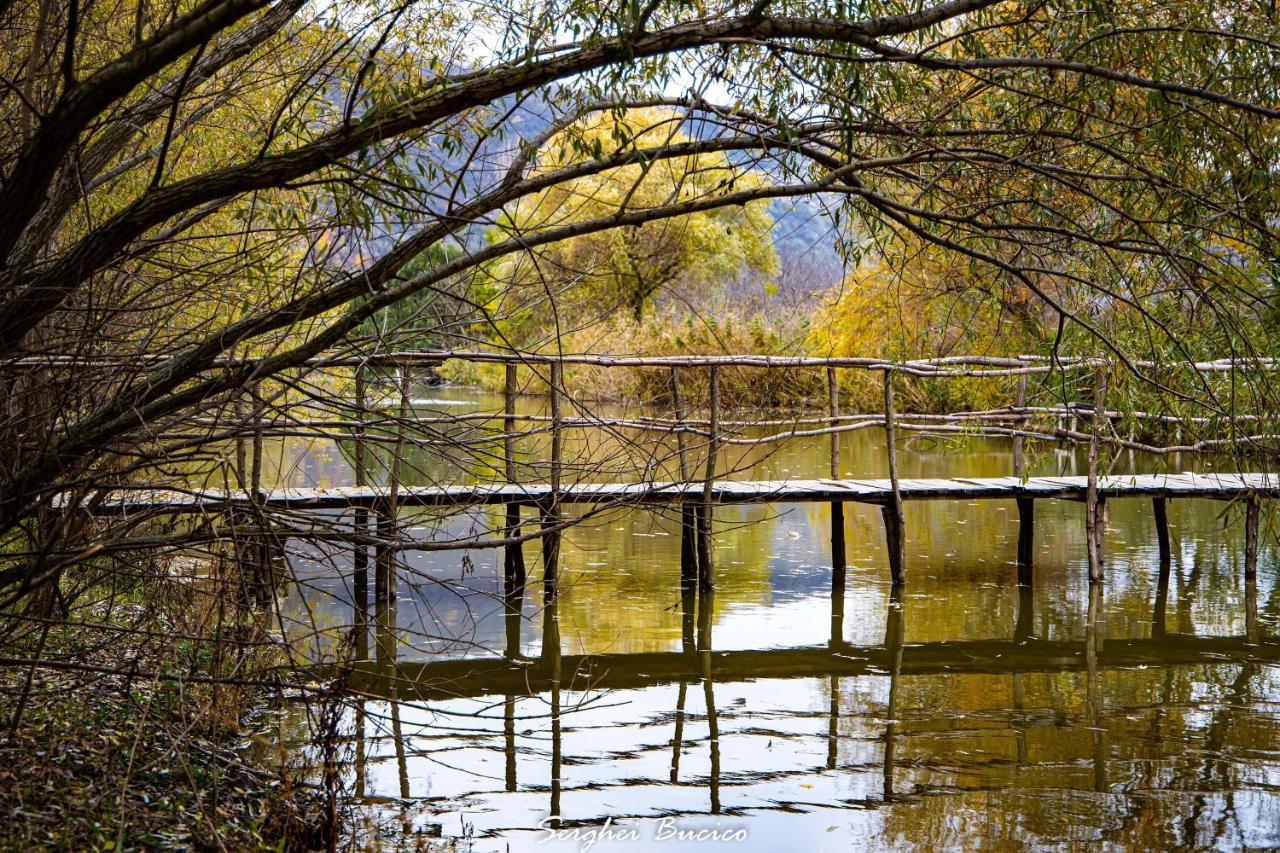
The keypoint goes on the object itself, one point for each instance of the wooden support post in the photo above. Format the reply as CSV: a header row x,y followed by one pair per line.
x,y
242,454
386,583
892,511
360,551
361,749
688,617
837,507
1094,507
239,518
1159,510
838,585
513,556
255,472
677,737
551,511
1026,540
514,574
550,662
1251,537
713,731
263,569
706,559
384,595
1026,506
1019,403
688,512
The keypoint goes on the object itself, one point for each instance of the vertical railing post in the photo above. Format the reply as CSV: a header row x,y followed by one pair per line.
x,y
360,551
513,562
242,454
688,514
1094,503
262,567
706,556
255,471
1026,505
837,507
551,513
238,516
892,511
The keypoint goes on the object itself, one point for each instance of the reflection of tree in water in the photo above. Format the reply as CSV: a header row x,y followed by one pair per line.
x,y
620,577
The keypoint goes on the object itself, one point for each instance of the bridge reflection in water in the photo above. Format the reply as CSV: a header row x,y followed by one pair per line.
x,y
1031,722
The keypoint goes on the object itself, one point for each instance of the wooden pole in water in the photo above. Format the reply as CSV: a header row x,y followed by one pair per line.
x,y
514,554
688,513
1251,537
892,511
706,564
385,581
1160,511
551,513
837,507
360,555
1026,506
1094,504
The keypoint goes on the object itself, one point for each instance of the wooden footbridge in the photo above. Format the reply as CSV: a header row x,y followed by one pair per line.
x,y
1071,411
1158,487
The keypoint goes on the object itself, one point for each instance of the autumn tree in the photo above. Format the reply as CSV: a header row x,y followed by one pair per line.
x,y
627,268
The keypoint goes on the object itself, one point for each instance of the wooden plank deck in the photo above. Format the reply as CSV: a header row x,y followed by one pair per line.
x,y
1220,486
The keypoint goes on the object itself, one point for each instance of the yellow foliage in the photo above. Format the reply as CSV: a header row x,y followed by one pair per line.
x,y
624,268
920,302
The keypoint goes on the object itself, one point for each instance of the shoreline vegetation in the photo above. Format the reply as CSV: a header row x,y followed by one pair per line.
x,y
111,756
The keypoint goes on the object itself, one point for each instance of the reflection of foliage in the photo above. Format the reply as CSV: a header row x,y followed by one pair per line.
x,y
621,579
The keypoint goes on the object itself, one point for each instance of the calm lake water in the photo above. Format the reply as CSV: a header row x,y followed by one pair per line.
x,y
964,712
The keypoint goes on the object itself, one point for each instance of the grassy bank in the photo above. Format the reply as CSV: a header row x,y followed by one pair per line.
x,y
128,730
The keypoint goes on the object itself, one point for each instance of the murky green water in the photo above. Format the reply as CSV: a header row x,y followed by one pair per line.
x,y
964,713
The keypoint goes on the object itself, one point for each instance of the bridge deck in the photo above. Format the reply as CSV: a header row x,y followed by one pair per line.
x,y
725,492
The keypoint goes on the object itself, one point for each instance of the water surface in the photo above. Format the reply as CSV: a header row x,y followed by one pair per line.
x,y
963,712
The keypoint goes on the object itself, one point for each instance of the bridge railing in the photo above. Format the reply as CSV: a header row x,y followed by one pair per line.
x,y
1089,423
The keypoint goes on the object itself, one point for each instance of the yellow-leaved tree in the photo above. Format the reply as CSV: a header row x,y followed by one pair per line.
x,y
592,276
910,300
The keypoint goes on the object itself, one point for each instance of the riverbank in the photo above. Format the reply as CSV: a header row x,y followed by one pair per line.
x,y
129,735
